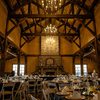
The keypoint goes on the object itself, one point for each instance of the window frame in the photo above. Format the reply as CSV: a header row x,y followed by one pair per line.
x,y
21,72
16,69
86,69
82,69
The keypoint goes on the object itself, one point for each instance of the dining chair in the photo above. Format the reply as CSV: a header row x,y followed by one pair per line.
x,y
46,94
1,86
32,86
16,89
7,91
21,93
30,97
39,86
74,99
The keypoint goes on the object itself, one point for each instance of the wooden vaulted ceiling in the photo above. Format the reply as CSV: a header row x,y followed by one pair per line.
x,y
30,16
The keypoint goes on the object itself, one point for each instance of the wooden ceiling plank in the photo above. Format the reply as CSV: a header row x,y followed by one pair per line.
x,y
23,44
78,12
73,28
80,4
26,2
32,24
8,5
88,22
77,44
95,2
64,5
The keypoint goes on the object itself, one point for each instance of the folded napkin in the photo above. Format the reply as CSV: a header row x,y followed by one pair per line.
x,y
96,97
76,94
76,87
99,96
91,89
65,89
65,81
30,97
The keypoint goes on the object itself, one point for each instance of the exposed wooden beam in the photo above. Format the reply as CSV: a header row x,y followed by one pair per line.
x,y
4,49
77,13
43,34
67,24
23,44
68,55
95,2
29,7
9,58
38,9
86,26
76,38
26,63
33,24
11,53
8,5
81,16
77,44
15,25
88,22
26,2
27,34
82,5
73,62
64,5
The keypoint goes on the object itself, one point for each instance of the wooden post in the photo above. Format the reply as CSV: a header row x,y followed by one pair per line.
x,y
18,62
25,64
97,67
81,55
4,50
19,56
73,65
81,61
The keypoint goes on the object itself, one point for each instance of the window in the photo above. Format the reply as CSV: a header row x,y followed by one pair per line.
x,y
85,70
78,70
21,69
15,68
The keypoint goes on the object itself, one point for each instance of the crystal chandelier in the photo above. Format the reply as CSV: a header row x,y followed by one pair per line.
x,y
50,6
50,29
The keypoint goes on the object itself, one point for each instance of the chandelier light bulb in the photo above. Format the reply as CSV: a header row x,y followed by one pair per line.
x,y
50,29
50,6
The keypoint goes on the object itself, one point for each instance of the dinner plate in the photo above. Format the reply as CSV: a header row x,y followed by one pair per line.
x,y
63,94
75,98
